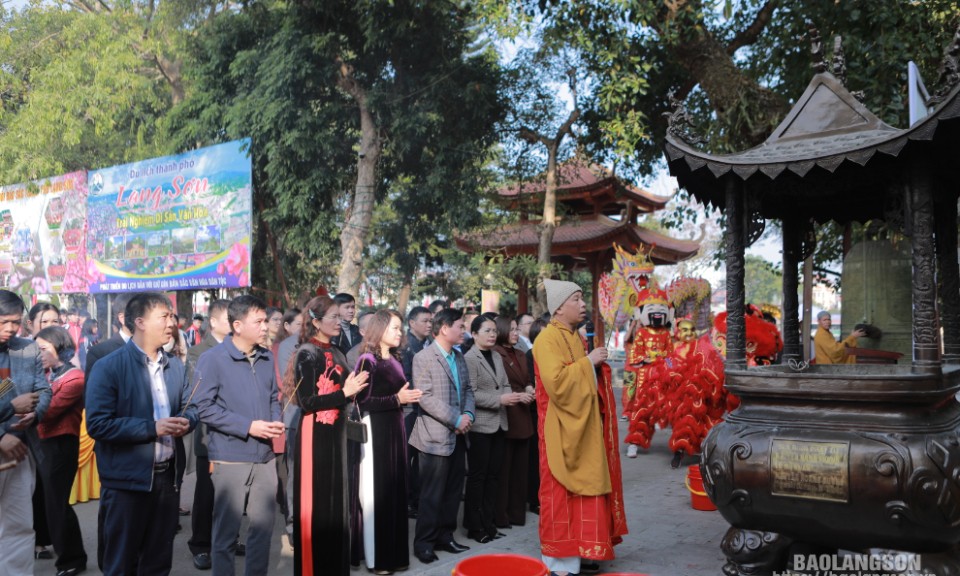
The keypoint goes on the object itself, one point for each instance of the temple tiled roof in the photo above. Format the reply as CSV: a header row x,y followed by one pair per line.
x,y
579,237
578,179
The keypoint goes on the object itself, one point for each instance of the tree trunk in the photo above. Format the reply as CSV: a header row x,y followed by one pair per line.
x,y
548,225
404,300
360,211
185,306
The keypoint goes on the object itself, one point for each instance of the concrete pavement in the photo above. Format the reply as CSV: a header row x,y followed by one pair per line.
x,y
667,537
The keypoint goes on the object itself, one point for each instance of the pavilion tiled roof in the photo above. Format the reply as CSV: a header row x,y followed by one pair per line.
x,y
579,178
827,128
578,237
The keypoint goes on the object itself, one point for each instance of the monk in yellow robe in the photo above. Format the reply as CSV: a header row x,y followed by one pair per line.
x,y
827,349
581,489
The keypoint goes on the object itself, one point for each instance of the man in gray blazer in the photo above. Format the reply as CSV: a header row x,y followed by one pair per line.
x,y
446,414
19,443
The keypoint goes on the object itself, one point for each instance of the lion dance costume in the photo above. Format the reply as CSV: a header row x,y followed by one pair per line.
x,y
698,397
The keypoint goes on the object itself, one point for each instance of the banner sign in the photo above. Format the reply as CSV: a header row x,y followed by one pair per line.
x,y
174,223
42,225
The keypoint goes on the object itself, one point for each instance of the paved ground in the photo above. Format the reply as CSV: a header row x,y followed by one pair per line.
x,y
667,537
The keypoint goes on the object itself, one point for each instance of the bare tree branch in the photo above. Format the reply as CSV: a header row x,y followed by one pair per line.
x,y
752,32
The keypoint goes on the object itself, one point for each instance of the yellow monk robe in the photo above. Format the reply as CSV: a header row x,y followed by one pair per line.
x,y
581,490
829,351
86,485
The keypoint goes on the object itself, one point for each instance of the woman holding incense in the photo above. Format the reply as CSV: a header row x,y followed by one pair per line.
x,y
318,382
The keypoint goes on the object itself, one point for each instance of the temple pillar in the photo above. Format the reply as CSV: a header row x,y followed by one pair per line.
x,y
926,323
791,301
948,277
523,295
735,246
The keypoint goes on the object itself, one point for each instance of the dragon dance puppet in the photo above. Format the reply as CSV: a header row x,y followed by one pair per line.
x,y
619,290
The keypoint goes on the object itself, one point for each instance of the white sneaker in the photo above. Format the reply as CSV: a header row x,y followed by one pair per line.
x,y
632,451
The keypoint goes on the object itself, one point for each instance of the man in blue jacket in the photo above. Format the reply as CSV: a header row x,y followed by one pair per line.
x,y
237,400
21,378
138,401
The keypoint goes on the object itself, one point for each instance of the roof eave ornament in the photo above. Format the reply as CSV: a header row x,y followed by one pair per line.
x,y
816,52
949,74
680,124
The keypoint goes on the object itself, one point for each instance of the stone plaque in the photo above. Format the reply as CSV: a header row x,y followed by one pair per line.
x,y
811,470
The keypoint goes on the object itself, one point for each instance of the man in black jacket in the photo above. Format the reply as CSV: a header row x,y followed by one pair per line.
x,y
349,333
202,516
119,338
419,327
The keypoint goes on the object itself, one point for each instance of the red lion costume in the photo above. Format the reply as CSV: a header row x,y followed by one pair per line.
x,y
698,399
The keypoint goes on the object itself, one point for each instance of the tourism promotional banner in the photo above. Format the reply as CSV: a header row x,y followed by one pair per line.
x,y
174,223
42,226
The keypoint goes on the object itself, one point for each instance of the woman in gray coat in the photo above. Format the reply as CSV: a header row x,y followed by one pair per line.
x,y
492,394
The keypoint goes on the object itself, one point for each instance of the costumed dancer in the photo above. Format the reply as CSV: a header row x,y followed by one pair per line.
x,y
649,346
581,492
698,399
618,292
763,343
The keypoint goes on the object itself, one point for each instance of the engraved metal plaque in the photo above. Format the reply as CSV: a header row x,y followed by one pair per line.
x,y
810,470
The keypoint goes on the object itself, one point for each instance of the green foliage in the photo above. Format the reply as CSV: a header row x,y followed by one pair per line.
x,y
270,71
77,91
763,281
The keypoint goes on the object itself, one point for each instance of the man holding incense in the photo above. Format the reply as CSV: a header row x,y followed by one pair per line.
x,y
237,400
137,402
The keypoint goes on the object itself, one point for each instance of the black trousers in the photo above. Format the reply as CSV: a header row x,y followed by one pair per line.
x,y
58,470
413,461
40,515
441,484
512,500
138,527
483,483
201,519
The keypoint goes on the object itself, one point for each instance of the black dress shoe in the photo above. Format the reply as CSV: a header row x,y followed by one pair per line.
x,y
480,537
202,561
535,508
425,557
452,547
498,535
71,571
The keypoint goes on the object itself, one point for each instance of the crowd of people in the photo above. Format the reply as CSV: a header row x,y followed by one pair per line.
x,y
347,428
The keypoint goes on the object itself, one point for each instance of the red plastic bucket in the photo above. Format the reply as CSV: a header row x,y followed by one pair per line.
x,y
500,565
698,497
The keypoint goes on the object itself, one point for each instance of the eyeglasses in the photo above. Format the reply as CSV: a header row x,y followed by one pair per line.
x,y
335,318
488,331
512,330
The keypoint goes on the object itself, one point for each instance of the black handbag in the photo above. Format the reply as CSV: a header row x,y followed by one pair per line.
x,y
356,431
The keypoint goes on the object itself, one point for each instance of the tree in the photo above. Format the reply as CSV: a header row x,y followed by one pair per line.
x,y
762,281
738,68
347,103
82,86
